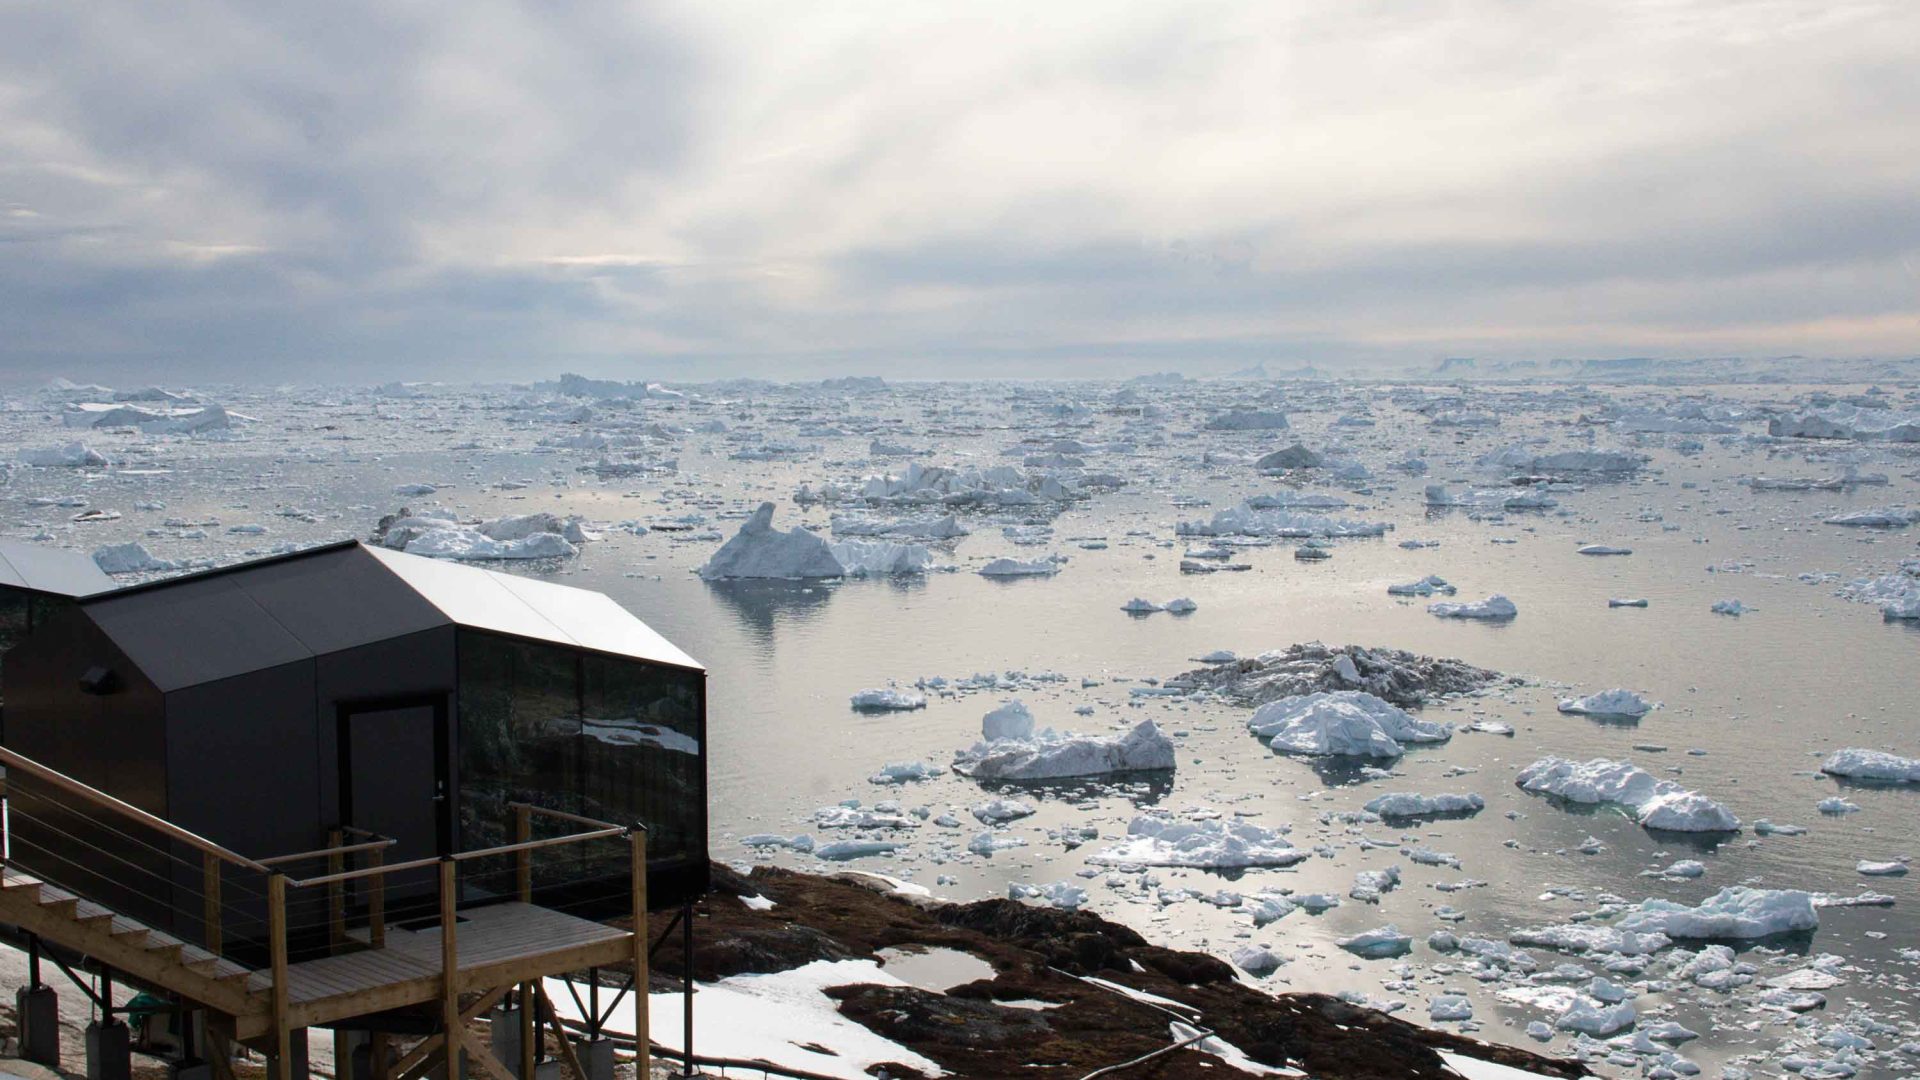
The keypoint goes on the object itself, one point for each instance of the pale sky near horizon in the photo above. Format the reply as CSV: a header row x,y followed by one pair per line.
x,y
264,191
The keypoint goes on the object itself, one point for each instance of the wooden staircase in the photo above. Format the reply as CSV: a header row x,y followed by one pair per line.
x,y
148,955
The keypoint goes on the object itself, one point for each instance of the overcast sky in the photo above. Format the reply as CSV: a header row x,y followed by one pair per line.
x,y
197,190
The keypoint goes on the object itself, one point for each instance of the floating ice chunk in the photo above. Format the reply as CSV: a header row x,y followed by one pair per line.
x,y
1380,944
1050,756
415,489
1763,827
1000,811
1592,1018
902,772
1636,602
1730,607
1859,764
888,699
1736,912
945,527
1590,938
1011,720
1218,656
759,550
1608,703
1685,868
1520,459
1258,961
1370,885
1181,605
1005,567
1407,805
1248,420
1427,586
1603,549
1403,678
842,850
1834,804
1059,894
71,456
1890,517
1349,723
1493,607
1449,1007
1889,868
1296,456
1205,845
1248,520
988,842
1848,422
471,545
1138,606
1656,804
855,817
132,558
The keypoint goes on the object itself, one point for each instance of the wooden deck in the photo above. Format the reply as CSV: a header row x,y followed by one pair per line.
x,y
496,945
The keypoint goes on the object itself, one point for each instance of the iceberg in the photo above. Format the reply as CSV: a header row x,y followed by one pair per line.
x,y
1349,723
1004,567
1049,756
888,699
759,550
1736,912
130,558
1655,804
1858,764
71,456
1380,944
1401,805
1608,703
1248,520
1494,607
1201,845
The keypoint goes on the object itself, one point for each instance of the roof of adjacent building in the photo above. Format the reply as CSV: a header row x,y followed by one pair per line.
x,y
43,569
204,627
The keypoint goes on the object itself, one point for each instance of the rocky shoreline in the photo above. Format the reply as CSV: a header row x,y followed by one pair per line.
x,y
1064,1024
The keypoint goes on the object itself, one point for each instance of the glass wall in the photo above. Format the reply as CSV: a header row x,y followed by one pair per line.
x,y
609,738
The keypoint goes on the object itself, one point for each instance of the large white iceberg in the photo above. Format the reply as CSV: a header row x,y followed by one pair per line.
x,y
759,550
1848,422
1858,764
1348,723
1492,608
1608,703
1656,804
1204,845
1048,756
1734,912
1397,805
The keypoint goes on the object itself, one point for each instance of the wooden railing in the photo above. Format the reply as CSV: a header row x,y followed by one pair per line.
x,y
344,843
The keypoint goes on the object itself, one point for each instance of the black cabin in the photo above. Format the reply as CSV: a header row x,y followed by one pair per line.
x,y
263,705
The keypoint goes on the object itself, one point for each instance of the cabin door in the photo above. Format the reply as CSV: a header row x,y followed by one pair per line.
x,y
393,782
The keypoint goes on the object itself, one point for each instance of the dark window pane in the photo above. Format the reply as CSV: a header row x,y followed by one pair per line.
x,y
642,751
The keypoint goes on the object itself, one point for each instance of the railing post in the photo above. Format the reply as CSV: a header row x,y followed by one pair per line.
x,y
377,901
336,892
523,859
642,1030
449,968
210,902
277,949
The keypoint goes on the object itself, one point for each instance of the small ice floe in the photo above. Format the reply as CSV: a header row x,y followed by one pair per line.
x,y
1202,845
1381,944
1181,605
1311,552
1602,549
1370,885
1492,608
1888,868
1059,894
802,843
1431,585
851,815
903,772
414,490
1608,704
842,850
1405,805
1218,656
1001,811
1591,938
1730,607
1258,961
1639,601
1855,763
73,455
888,699
1449,1007
1248,420
1011,568
1655,804
131,558
437,535
1763,827
1489,727
1347,723
1592,1018
988,842
1280,522
1685,869
1834,804
1138,606
1890,517
1733,913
